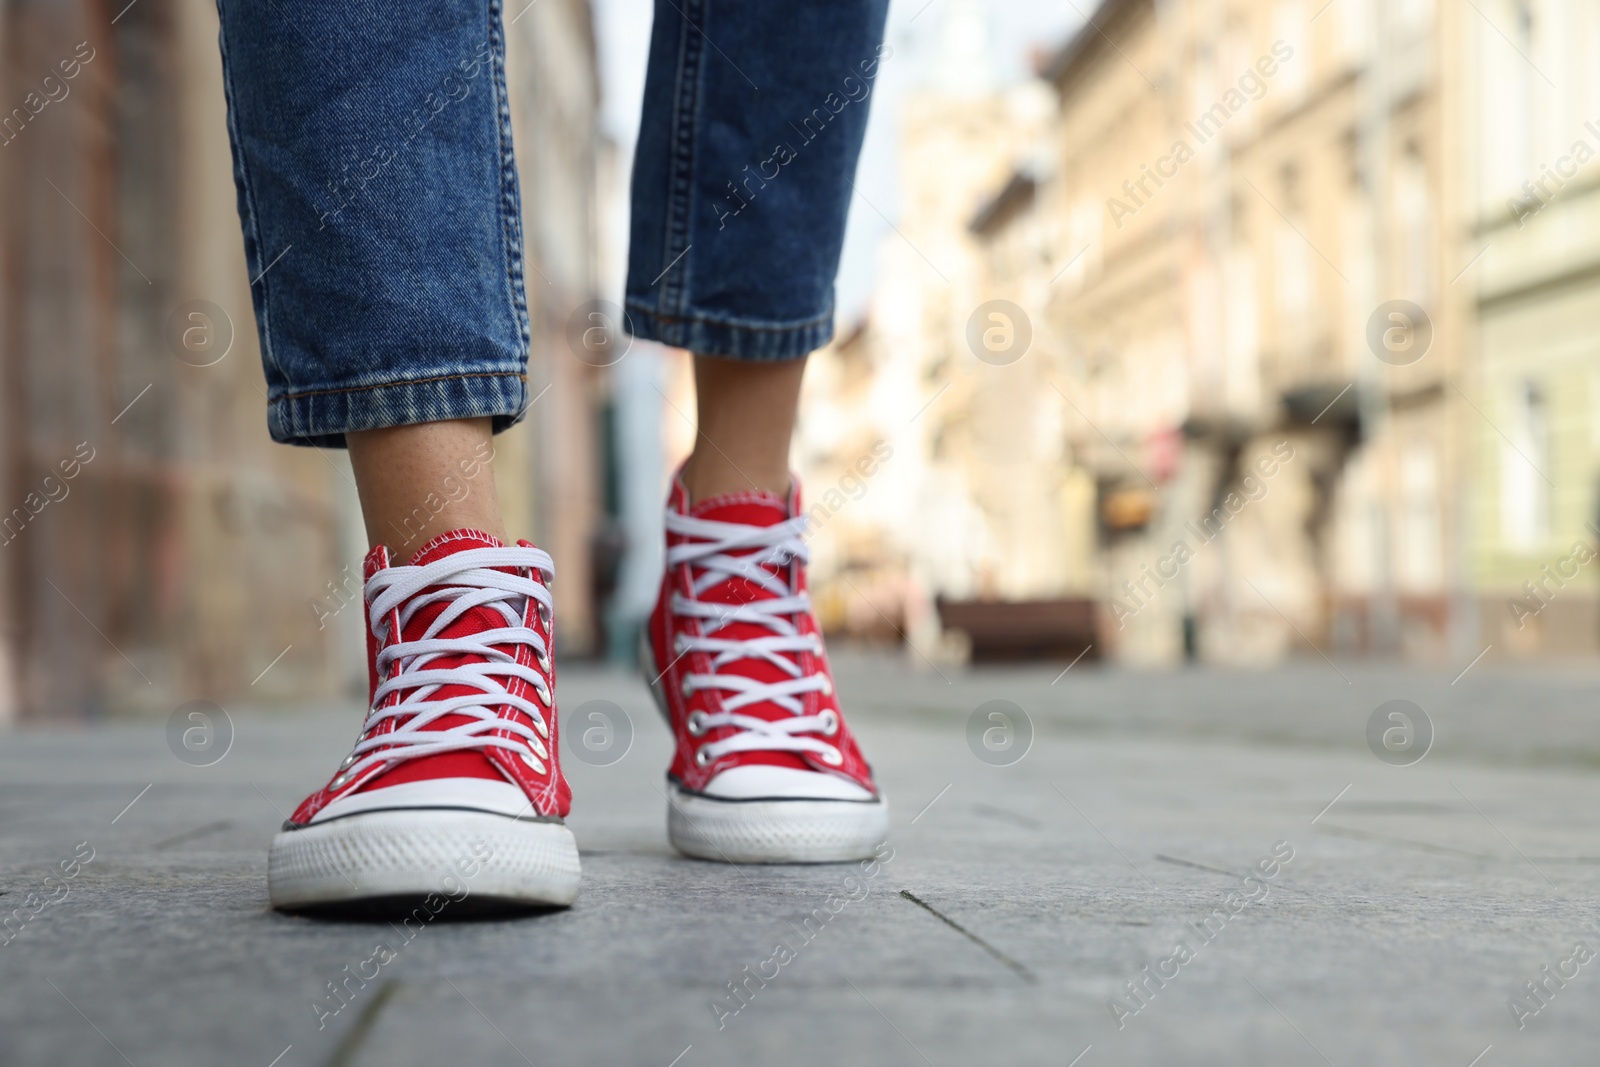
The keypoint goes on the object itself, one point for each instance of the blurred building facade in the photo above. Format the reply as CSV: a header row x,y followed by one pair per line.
x,y
1297,375
159,547
1532,213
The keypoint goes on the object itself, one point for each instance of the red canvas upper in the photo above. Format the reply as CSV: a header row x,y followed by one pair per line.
x,y
548,792
753,509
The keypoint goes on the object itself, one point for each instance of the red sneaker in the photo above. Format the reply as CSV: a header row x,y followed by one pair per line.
x,y
766,771
454,786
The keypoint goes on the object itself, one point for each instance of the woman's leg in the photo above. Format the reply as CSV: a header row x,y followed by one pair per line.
x,y
390,464
747,410
372,154
753,119
754,115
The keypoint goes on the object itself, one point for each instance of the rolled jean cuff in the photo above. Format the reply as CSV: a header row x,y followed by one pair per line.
x,y
321,417
708,335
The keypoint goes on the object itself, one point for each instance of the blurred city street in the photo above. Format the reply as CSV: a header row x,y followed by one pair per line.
x,y
1198,448
1055,837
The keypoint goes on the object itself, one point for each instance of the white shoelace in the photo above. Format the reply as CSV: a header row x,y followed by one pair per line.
x,y
464,580
711,552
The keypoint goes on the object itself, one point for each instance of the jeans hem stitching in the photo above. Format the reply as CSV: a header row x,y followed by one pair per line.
x,y
285,398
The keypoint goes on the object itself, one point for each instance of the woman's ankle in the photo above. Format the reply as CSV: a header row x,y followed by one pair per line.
x,y
419,481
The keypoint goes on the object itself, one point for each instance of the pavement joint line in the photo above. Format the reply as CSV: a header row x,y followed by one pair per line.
x,y
1196,866
1021,971
350,1044
131,803
1389,839
1331,803
1004,815
90,1021
1219,870
1290,1021
686,1049
890,1021
199,831
1106,839
1508,840
932,802
492,1026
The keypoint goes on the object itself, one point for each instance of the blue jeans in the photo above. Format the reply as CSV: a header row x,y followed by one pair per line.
x,y
382,226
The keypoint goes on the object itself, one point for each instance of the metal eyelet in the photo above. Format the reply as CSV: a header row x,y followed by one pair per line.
x,y
697,723
830,722
544,663
816,644
680,644
833,757
530,761
349,761
545,696
701,758
538,746
685,689
827,686
340,781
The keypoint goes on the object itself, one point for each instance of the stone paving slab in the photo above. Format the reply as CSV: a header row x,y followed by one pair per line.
x,y
1418,899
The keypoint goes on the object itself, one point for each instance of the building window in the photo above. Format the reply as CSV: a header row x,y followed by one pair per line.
x,y
1524,466
1413,207
1289,25
1507,105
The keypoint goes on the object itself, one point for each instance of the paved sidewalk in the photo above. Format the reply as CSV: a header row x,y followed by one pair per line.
x,y
1018,902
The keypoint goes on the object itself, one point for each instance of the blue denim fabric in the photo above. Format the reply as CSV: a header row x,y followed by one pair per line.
x,y
753,119
378,195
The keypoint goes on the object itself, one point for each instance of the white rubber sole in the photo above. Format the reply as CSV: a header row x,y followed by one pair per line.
x,y
775,831
765,831
456,854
